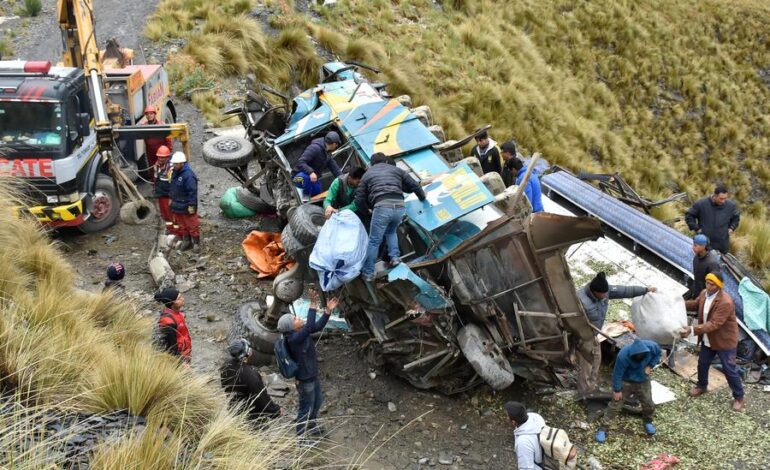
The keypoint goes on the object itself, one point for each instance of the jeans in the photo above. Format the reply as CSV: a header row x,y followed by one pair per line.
x,y
727,358
310,401
309,189
643,391
385,222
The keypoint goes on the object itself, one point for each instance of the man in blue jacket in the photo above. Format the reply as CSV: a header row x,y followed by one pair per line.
x,y
532,190
302,349
314,160
184,202
633,367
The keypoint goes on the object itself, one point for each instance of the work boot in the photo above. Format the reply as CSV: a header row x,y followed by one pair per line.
x,y
186,243
196,244
696,392
738,404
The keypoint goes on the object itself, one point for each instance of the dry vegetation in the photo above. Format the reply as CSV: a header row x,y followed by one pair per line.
x,y
673,95
65,349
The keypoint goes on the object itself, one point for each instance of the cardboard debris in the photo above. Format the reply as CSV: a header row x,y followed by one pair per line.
x,y
685,364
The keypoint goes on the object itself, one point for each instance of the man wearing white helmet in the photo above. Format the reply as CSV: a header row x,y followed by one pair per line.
x,y
184,202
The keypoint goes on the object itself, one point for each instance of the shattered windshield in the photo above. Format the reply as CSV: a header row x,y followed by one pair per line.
x,y
31,124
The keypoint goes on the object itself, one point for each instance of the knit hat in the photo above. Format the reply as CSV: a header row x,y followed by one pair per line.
x,y
332,137
167,296
716,278
700,239
599,283
116,271
516,411
286,323
239,348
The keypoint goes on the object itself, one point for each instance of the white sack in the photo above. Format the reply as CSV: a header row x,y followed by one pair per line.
x,y
659,317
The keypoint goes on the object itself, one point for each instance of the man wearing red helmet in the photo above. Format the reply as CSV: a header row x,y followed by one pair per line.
x,y
162,172
152,144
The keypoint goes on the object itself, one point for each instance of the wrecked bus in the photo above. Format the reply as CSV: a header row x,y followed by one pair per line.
x,y
483,292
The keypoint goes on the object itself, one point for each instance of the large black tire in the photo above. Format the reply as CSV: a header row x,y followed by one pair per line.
x,y
227,151
106,206
293,248
306,222
251,201
245,324
143,166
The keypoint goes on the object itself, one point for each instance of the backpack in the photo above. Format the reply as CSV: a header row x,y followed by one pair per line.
x,y
286,364
556,446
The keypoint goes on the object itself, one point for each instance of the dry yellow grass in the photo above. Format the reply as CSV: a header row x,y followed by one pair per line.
x,y
65,349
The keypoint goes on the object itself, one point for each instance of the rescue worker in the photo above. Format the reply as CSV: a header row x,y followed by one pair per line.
x,y
716,216
341,193
631,376
301,347
526,440
382,189
595,297
173,335
717,331
115,274
314,160
704,261
487,153
244,383
532,190
153,144
184,203
162,180
508,152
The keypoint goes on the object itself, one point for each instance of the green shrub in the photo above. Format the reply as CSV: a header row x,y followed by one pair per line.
x,y
32,7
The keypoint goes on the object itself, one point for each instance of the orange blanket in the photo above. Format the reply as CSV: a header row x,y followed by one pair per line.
x,y
265,253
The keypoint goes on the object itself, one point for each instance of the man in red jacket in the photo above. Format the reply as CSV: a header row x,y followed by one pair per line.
x,y
152,144
173,334
717,331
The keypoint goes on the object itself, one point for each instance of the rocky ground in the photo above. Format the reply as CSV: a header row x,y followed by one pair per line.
x,y
376,419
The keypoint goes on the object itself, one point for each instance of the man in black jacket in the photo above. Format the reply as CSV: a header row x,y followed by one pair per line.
x,y
244,384
382,189
302,349
715,216
314,160
705,261
487,153
509,171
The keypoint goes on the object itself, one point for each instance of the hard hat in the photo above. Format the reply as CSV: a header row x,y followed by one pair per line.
x,y
163,152
178,157
332,137
150,109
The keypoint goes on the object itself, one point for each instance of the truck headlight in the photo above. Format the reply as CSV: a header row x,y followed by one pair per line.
x,y
74,197
52,199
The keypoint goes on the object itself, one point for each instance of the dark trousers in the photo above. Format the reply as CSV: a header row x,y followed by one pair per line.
x,y
310,401
643,391
727,358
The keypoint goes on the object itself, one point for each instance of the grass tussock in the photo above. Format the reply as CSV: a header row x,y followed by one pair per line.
x,y
64,350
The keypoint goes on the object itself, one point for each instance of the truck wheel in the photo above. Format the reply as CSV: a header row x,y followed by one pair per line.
x,y
137,212
143,166
251,201
485,357
227,151
106,206
291,246
306,222
245,324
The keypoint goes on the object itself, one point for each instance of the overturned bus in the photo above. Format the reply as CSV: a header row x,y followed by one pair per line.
x,y
483,292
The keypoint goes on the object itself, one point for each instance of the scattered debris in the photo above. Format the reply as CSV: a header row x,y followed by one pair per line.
x,y
391,407
661,462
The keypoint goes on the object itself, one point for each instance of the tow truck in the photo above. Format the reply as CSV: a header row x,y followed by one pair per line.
x,y
66,130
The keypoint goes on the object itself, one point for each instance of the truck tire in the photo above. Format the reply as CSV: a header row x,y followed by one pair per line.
x,y
291,246
106,206
485,357
137,212
306,222
245,324
251,201
227,151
